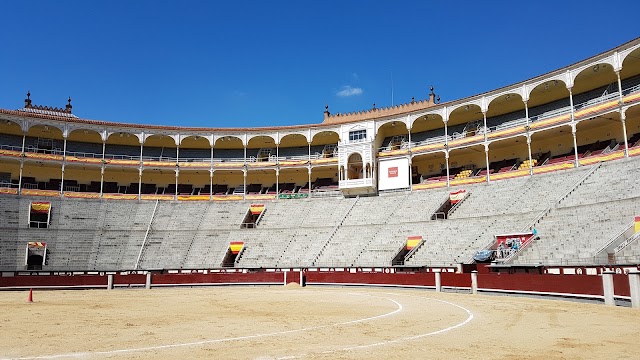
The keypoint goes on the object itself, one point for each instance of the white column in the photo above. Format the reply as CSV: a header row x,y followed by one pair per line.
x,y
210,184
607,286
474,282
573,128
102,168
101,179
446,155
277,181
486,157
110,282
24,137
529,148
575,145
147,284
140,183
309,170
622,115
175,196
438,281
244,181
623,118
634,287
64,161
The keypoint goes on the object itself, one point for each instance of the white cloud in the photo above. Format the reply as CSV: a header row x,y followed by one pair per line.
x,y
349,91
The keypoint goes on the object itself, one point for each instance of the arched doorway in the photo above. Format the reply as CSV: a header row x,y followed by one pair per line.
x,y
354,167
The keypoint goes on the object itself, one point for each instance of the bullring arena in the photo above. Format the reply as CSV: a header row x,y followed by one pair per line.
x,y
503,225
289,322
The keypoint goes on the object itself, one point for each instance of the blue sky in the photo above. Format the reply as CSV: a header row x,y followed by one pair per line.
x,y
261,63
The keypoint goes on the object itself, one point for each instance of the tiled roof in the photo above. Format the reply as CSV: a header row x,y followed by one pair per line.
x,y
53,112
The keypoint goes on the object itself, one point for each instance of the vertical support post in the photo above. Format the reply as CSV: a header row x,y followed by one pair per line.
x,y
210,184
302,279
285,278
634,288
529,149
139,183
438,281
175,196
607,286
64,161
62,180
110,282
102,167
446,158
474,282
24,137
573,128
623,119
486,158
622,115
277,181
244,182
486,144
101,180
309,189
147,284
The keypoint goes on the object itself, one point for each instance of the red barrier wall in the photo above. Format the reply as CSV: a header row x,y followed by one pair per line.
x,y
546,283
345,277
568,284
621,285
53,281
258,277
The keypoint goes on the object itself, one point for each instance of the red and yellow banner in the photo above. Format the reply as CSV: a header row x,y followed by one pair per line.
x,y
256,209
120,196
87,160
413,241
40,207
36,192
236,246
457,196
36,244
12,153
193,197
13,191
81,195
156,197
636,224
43,156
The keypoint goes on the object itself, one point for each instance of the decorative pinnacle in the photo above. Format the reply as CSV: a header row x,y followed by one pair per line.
x,y
28,94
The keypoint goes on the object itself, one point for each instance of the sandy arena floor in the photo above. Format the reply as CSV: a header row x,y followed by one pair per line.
x,y
289,322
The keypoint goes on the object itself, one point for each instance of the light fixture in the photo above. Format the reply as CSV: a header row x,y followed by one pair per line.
x,y
466,108
596,68
507,97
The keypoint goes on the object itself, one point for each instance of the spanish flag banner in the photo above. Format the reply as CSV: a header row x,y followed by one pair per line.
x,y
256,209
636,224
36,244
236,246
42,207
413,241
457,196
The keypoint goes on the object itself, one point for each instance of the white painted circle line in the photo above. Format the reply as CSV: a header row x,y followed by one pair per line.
x,y
212,341
389,342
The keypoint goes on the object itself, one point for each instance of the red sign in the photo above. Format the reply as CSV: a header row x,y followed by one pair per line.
x,y
393,172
